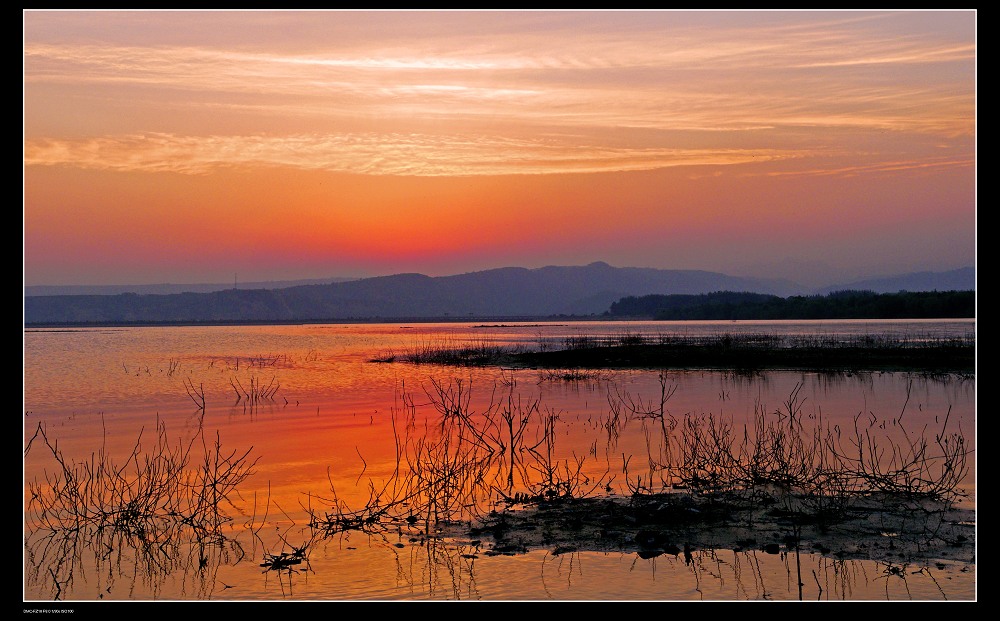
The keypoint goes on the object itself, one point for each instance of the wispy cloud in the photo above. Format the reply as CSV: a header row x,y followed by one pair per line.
x,y
373,154
879,167
670,74
475,101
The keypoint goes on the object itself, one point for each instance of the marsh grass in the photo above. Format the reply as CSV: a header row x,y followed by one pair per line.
x,y
480,352
574,375
737,352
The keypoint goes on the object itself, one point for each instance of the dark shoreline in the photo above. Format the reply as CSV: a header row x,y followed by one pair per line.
x,y
482,321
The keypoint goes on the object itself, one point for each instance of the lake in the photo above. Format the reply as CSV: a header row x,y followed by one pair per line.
x,y
312,432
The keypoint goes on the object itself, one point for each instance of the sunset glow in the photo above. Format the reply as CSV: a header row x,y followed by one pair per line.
x,y
188,146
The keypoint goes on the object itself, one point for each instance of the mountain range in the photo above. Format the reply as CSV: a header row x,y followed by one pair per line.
x,y
963,279
503,292
161,288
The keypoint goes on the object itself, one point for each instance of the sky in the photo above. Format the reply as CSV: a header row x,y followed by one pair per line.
x,y
203,146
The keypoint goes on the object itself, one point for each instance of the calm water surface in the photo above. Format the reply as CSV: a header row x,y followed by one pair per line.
x,y
329,427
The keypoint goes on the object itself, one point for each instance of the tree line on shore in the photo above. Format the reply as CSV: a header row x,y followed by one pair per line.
x,y
736,305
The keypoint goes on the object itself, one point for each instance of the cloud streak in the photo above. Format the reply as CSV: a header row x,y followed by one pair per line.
x,y
374,154
670,74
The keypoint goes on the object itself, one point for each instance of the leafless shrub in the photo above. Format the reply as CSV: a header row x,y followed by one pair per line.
x,y
461,463
165,502
256,391
822,464
197,393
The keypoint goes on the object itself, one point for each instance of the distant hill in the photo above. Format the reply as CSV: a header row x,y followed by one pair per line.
x,y
504,292
963,279
163,288
511,291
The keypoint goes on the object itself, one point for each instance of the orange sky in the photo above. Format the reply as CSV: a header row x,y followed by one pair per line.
x,y
192,146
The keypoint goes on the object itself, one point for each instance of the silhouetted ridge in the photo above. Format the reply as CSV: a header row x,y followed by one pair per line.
x,y
502,292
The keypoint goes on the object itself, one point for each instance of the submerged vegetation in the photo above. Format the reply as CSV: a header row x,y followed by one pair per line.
x,y
784,481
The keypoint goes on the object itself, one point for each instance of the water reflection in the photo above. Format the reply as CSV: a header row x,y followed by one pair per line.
x,y
380,481
158,513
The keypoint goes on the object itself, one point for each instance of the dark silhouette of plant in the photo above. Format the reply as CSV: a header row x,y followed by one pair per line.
x,y
165,506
